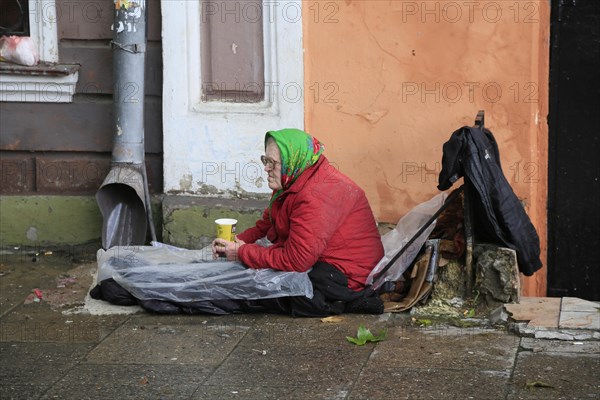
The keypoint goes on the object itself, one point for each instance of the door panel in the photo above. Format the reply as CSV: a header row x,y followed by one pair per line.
x,y
574,151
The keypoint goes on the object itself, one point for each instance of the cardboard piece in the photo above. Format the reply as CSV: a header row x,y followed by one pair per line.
x,y
419,287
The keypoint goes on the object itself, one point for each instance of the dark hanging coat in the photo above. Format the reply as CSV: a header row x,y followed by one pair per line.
x,y
499,216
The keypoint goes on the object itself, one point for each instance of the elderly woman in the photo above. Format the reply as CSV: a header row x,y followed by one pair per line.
x,y
318,219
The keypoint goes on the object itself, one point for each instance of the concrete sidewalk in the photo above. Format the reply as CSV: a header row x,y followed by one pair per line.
x,y
46,354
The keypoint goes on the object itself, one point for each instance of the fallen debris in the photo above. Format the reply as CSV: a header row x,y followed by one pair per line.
x,y
364,335
333,319
70,289
566,318
497,274
535,384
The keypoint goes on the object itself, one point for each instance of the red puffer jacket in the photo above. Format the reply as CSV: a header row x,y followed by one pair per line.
x,y
323,216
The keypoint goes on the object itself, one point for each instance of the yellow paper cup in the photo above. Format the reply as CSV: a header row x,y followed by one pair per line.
x,y
226,228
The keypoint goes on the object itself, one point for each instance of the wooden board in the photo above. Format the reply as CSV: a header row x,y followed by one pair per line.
x,y
71,173
84,125
539,311
96,71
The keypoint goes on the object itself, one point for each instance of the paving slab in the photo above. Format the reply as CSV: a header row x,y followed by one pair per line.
x,y
554,333
446,347
136,343
122,381
223,326
560,346
270,331
429,383
580,305
300,392
570,375
579,320
57,352
27,369
38,323
185,319
330,365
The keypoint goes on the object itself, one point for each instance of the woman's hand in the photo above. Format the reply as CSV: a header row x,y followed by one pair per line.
x,y
222,247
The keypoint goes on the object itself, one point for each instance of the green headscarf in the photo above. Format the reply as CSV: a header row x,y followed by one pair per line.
x,y
298,150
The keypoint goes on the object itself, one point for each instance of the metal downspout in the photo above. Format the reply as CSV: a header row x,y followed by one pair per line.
x,y
123,197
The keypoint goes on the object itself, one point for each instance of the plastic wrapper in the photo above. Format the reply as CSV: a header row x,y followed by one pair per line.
x,y
19,50
168,273
397,238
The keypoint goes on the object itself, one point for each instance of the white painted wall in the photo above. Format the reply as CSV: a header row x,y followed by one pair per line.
x,y
211,145
43,20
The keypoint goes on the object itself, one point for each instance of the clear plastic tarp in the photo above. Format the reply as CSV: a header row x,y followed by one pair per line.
x,y
397,238
162,272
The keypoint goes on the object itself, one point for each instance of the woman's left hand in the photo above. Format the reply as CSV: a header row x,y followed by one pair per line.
x,y
227,248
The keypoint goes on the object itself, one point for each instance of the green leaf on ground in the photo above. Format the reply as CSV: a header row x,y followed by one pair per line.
x,y
423,322
364,335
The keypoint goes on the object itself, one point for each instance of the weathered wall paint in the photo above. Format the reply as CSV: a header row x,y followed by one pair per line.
x,y
189,222
389,81
49,220
213,148
55,221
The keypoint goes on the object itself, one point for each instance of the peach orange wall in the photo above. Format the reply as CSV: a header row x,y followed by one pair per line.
x,y
388,81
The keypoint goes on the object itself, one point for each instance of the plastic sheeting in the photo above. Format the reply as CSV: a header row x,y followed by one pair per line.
x,y
394,240
168,273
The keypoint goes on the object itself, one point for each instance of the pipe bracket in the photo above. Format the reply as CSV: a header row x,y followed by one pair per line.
x,y
130,48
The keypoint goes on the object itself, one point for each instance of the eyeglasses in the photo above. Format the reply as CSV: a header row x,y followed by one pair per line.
x,y
266,161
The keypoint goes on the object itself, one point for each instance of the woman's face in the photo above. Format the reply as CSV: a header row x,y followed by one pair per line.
x,y
273,166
